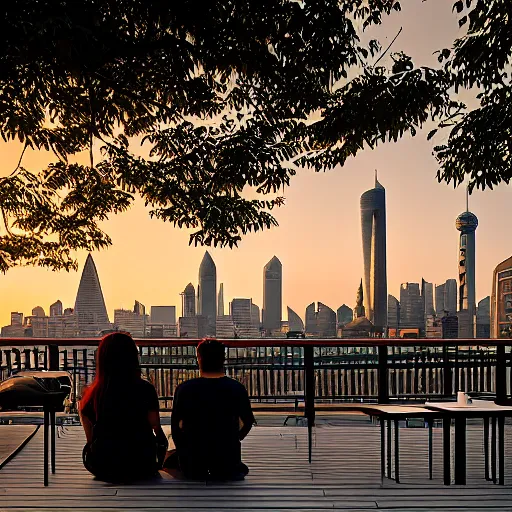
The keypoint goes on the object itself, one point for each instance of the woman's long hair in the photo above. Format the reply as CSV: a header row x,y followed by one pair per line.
x,y
117,368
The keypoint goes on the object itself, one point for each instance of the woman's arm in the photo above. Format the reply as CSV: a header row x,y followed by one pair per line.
x,y
87,424
154,420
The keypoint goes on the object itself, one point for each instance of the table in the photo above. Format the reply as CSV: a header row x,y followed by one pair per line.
x,y
486,410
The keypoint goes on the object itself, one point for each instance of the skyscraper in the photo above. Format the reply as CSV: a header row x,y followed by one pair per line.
x,y
295,323
427,296
188,301
466,223
440,307
90,310
344,315
220,300
207,293
501,300
256,316
450,296
373,226
483,318
272,294
56,309
241,313
163,315
321,321
132,321
393,313
411,307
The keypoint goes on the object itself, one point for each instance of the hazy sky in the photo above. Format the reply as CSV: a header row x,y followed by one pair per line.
x,y
319,237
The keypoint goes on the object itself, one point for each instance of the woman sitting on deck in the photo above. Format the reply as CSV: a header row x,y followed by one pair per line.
x,y
120,416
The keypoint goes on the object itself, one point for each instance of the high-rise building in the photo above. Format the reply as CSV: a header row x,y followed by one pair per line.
x,y
501,300
132,321
344,315
373,224
256,316
207,293
272,294
241,313
193,326
433,327
16,318
427,296
467,223
220,300
393,313
411,307
188,301
295,323
450,296
90,310
63,326
225,327
440,307
483,318
38,311
320,321
163,315
450,326
56,309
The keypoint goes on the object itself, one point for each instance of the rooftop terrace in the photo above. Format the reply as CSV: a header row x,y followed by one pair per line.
x,y
344,474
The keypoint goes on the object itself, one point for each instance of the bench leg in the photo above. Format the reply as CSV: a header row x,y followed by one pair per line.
x,y
447,470
460,450
493,449
486,448
388,448
430,450
397,453
382,451
46,422
53,439
501,449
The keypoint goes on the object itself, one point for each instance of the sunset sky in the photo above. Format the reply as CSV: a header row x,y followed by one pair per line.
x,y
319,237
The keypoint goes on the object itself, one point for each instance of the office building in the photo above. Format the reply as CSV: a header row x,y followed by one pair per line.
x,y
207,293
466,224
427,296
344,315
450,296
16,318
501,300
63,326
241,312
433,327
483,318
256,316
320,321
225,327
90,309
272,295
450,326
440,308
56,309
192,326
132,321
163,315
220,300
393,313
411,307
188,301
295,323
373,226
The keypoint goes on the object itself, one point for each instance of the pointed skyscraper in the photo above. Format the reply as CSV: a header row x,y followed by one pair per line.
x,y
188,301
272,294
90,310
373,226
207,293
220,300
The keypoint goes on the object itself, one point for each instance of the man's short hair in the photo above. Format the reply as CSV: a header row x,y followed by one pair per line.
x,y
211,354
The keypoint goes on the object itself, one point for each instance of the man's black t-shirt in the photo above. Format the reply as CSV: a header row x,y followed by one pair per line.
x,y
205,424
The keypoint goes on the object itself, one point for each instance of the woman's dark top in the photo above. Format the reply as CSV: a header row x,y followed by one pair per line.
x,y
123,444
210,409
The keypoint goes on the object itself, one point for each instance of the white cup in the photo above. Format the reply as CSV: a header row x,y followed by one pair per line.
x,y
462,398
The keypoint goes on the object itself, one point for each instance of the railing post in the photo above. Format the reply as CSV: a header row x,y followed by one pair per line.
x,y
447,373
53,357
309,385
501,375
383,374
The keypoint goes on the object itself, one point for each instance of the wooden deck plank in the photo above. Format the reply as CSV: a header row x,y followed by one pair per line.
x,y
345,474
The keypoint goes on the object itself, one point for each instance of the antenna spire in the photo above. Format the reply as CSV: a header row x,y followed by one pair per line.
x,y
467,197
376,181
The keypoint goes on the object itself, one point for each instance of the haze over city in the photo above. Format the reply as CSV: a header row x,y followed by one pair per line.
x,y
319,237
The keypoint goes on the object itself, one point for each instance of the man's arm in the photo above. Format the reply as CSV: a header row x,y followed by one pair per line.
x,y
177,419
246,415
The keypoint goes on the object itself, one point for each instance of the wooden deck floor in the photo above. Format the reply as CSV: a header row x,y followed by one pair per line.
x,y
345,474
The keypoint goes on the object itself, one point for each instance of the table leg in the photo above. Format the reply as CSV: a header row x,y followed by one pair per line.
x,y
397,453
382,450
486,448
493,449
501,449
447,473
460,450
430,451
45,446
389,448
53,439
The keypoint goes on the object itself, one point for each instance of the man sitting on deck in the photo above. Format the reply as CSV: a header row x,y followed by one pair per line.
x,y
210,416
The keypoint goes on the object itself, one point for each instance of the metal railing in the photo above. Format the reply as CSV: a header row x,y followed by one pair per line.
x,y
280,370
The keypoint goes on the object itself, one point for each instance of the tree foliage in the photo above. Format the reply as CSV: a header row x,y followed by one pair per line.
x,y
226,96
479,141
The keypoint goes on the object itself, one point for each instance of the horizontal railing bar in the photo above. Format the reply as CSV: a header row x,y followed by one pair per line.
x,y
268,342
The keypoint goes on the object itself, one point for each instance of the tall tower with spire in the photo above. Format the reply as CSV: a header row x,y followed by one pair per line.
x,y
207,293
467,223
373,228
220,300
272,294
90,310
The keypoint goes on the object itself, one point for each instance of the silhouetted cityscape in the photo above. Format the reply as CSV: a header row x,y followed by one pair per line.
x,y
441,310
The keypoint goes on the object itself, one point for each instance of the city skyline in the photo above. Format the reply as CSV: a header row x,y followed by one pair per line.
x,y
319,227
